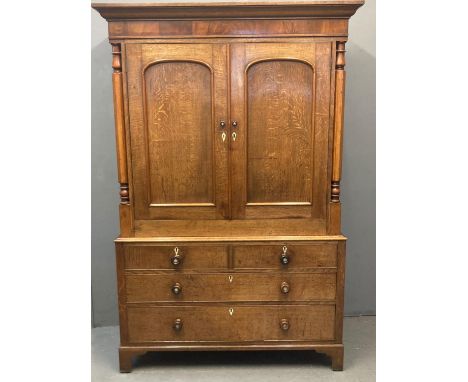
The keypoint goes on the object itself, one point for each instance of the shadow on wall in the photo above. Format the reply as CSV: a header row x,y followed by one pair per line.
x,y
104,189
358,181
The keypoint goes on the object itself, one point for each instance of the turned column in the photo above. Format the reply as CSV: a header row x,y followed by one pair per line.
x,y
119,123
340,76
119,120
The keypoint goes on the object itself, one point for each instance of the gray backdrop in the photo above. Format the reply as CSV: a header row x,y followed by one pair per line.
x,y
358,183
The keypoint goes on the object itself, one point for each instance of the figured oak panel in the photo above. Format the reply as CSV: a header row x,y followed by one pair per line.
x,y
279,141
178,100
231,323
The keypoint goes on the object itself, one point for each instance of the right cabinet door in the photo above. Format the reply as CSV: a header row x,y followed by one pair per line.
x,y
280,129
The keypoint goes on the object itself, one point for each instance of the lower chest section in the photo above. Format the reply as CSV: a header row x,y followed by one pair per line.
x,y
230,292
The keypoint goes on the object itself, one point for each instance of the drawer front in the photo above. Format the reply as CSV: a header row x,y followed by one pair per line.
x,y
176,257
285,256
231,287
235,323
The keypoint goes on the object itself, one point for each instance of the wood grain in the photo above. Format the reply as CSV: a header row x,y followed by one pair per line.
x,y
122,295
178,99
177,96
229,10
229,228
340,284
192,257
119,121
280,129
280,94
334,219
247,323
339,121
299,256
126,220
227,28
216,287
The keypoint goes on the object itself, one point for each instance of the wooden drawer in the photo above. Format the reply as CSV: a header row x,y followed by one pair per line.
x,y
231,323
231,287
297,256
162,257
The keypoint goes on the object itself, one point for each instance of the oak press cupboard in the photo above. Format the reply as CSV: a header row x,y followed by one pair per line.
x,y
229,128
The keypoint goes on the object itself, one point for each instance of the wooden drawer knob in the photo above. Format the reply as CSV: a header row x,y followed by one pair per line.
x,y
176,259
177,288
284,324
285,287
177,326
284,259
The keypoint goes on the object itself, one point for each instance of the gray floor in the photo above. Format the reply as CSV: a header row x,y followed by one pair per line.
x,y
292,366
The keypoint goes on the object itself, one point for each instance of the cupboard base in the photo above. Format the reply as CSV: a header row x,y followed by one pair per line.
x,y
127,354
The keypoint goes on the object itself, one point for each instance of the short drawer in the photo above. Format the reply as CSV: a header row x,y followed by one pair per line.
x,y
231,323
175,257
188,287
285,256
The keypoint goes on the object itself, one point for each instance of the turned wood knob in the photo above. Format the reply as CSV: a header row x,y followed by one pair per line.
x,y
284,258
176,288
177,324
284,324
285,287
176,259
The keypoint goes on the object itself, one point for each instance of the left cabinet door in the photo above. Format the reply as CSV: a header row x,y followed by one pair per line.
x,y
177,99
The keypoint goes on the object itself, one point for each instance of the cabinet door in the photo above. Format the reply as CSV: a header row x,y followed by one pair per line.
x,y
177,97
280,99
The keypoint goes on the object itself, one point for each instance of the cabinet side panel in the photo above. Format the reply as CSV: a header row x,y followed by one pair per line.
x,y
122,293
340,280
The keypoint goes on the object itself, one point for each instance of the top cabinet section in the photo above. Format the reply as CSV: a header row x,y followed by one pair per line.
x,y
229,19
239,131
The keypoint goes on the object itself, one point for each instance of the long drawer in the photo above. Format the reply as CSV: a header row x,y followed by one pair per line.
x,y
190,287
231,323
